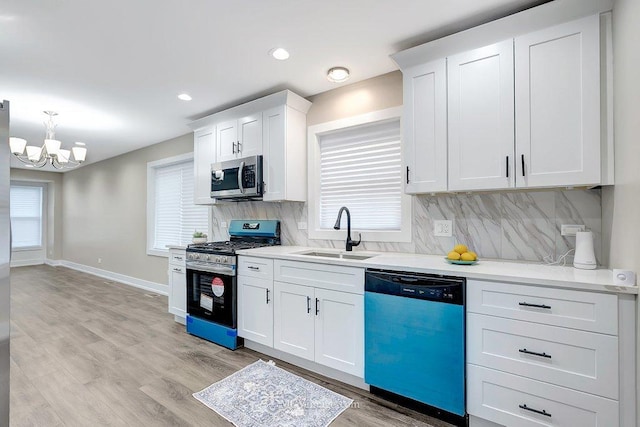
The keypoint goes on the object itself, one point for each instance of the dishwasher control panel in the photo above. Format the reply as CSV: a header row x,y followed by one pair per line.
x,y
416,285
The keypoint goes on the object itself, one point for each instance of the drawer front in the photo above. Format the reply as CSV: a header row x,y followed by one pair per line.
x,y
261,268
512,400
325,276
589,311
580,360
177,257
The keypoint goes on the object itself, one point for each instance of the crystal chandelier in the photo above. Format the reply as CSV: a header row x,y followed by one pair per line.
x,y
50,151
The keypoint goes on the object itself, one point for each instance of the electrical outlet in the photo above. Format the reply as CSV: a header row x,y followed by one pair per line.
x,y
99,260
302,226
571,229
223,224
443,228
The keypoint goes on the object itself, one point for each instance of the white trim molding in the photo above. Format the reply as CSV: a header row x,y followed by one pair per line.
x,y
158,288
314,133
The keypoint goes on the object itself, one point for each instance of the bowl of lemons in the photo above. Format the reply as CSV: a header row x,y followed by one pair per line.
x,y
461,255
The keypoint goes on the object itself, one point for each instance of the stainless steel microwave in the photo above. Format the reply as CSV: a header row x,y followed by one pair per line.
x,y
239,179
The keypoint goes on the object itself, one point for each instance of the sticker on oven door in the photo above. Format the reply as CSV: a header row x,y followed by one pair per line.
x,y
217,286
206,302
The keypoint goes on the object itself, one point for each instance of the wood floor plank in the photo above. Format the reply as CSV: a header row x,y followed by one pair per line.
x,y
86,351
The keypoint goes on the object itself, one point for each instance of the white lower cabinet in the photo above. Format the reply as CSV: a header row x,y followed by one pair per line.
x,y
255,309
511,400
537,357
177,284
321,325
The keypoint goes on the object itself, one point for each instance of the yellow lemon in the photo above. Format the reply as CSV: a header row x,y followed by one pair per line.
x,y
467,257
460,248
453,255
475,256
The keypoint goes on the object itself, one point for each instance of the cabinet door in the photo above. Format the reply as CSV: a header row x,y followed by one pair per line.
x,y
425,127
177,291
273,146
339,331
204,145
481,135
250,135
227,140
558,105
255,309
293,319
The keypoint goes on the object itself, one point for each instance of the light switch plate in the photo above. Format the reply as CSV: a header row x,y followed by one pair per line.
x,y
302,226
443,228
571,229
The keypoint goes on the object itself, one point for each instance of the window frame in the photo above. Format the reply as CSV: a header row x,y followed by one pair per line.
x,y
314,134
43,210
151,202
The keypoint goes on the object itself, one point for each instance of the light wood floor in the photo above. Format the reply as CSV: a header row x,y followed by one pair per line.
x,y
86,351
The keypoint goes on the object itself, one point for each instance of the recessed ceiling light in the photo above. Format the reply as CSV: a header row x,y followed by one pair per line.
x,y
279,53
81,144
185,97
338,74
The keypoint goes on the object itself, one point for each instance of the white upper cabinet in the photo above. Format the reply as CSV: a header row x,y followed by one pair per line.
x,y
204,148
425,127
284,139
240,138
481,135
274,126
557,81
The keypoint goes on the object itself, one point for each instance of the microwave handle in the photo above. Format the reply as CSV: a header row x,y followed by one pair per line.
x,y
240,187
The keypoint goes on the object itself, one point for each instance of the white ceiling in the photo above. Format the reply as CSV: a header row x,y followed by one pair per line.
x,y
112,69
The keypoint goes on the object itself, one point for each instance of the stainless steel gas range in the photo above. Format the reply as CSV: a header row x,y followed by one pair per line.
x,y
211,280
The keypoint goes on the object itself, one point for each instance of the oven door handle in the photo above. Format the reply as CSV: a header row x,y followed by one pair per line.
x,y
240,187
209,269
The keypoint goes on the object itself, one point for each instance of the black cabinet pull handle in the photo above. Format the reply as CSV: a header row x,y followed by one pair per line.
x,y
233,147
407,174
267,296
308,305
524,350
251,267
317,309
537,411
507,166
526,304
522,158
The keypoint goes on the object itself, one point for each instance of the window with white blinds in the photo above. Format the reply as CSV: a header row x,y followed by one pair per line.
x,y
361,168
26,216
174,216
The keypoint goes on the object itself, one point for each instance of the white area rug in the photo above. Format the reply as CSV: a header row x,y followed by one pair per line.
x,y
262,395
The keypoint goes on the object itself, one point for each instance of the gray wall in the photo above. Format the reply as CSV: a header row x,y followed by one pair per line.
x,y
105,212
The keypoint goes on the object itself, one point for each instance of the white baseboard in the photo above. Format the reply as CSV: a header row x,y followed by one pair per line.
x,y
53,262
158,288
25,262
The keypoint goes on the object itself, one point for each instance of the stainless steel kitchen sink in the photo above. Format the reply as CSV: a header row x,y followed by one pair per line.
x,y
337,255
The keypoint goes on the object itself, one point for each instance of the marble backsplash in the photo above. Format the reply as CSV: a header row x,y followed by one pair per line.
x,y
514,225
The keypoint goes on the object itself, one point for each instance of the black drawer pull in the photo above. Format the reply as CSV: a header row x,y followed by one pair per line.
x,y
523,174
251,267
524,350
308,305
537,411
526,304
507,166
267,296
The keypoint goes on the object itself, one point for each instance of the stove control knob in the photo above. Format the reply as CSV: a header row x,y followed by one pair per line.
x,y
208,257
225,260
218,259
196,256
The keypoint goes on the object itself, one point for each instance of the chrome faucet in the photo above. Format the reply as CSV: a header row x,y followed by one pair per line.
x,y
350,243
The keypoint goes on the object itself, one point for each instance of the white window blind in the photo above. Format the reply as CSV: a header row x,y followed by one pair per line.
x,y
26,216
361,168
175,216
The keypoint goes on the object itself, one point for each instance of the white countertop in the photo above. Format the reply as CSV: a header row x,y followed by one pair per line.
x,y
600,280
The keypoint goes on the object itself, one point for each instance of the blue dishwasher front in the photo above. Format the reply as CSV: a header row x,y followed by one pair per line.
x,y
415,338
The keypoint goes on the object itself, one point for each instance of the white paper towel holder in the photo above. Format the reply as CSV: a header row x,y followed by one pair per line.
x,y
585,257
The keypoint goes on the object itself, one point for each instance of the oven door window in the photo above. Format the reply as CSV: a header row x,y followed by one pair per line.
x,y
212,297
